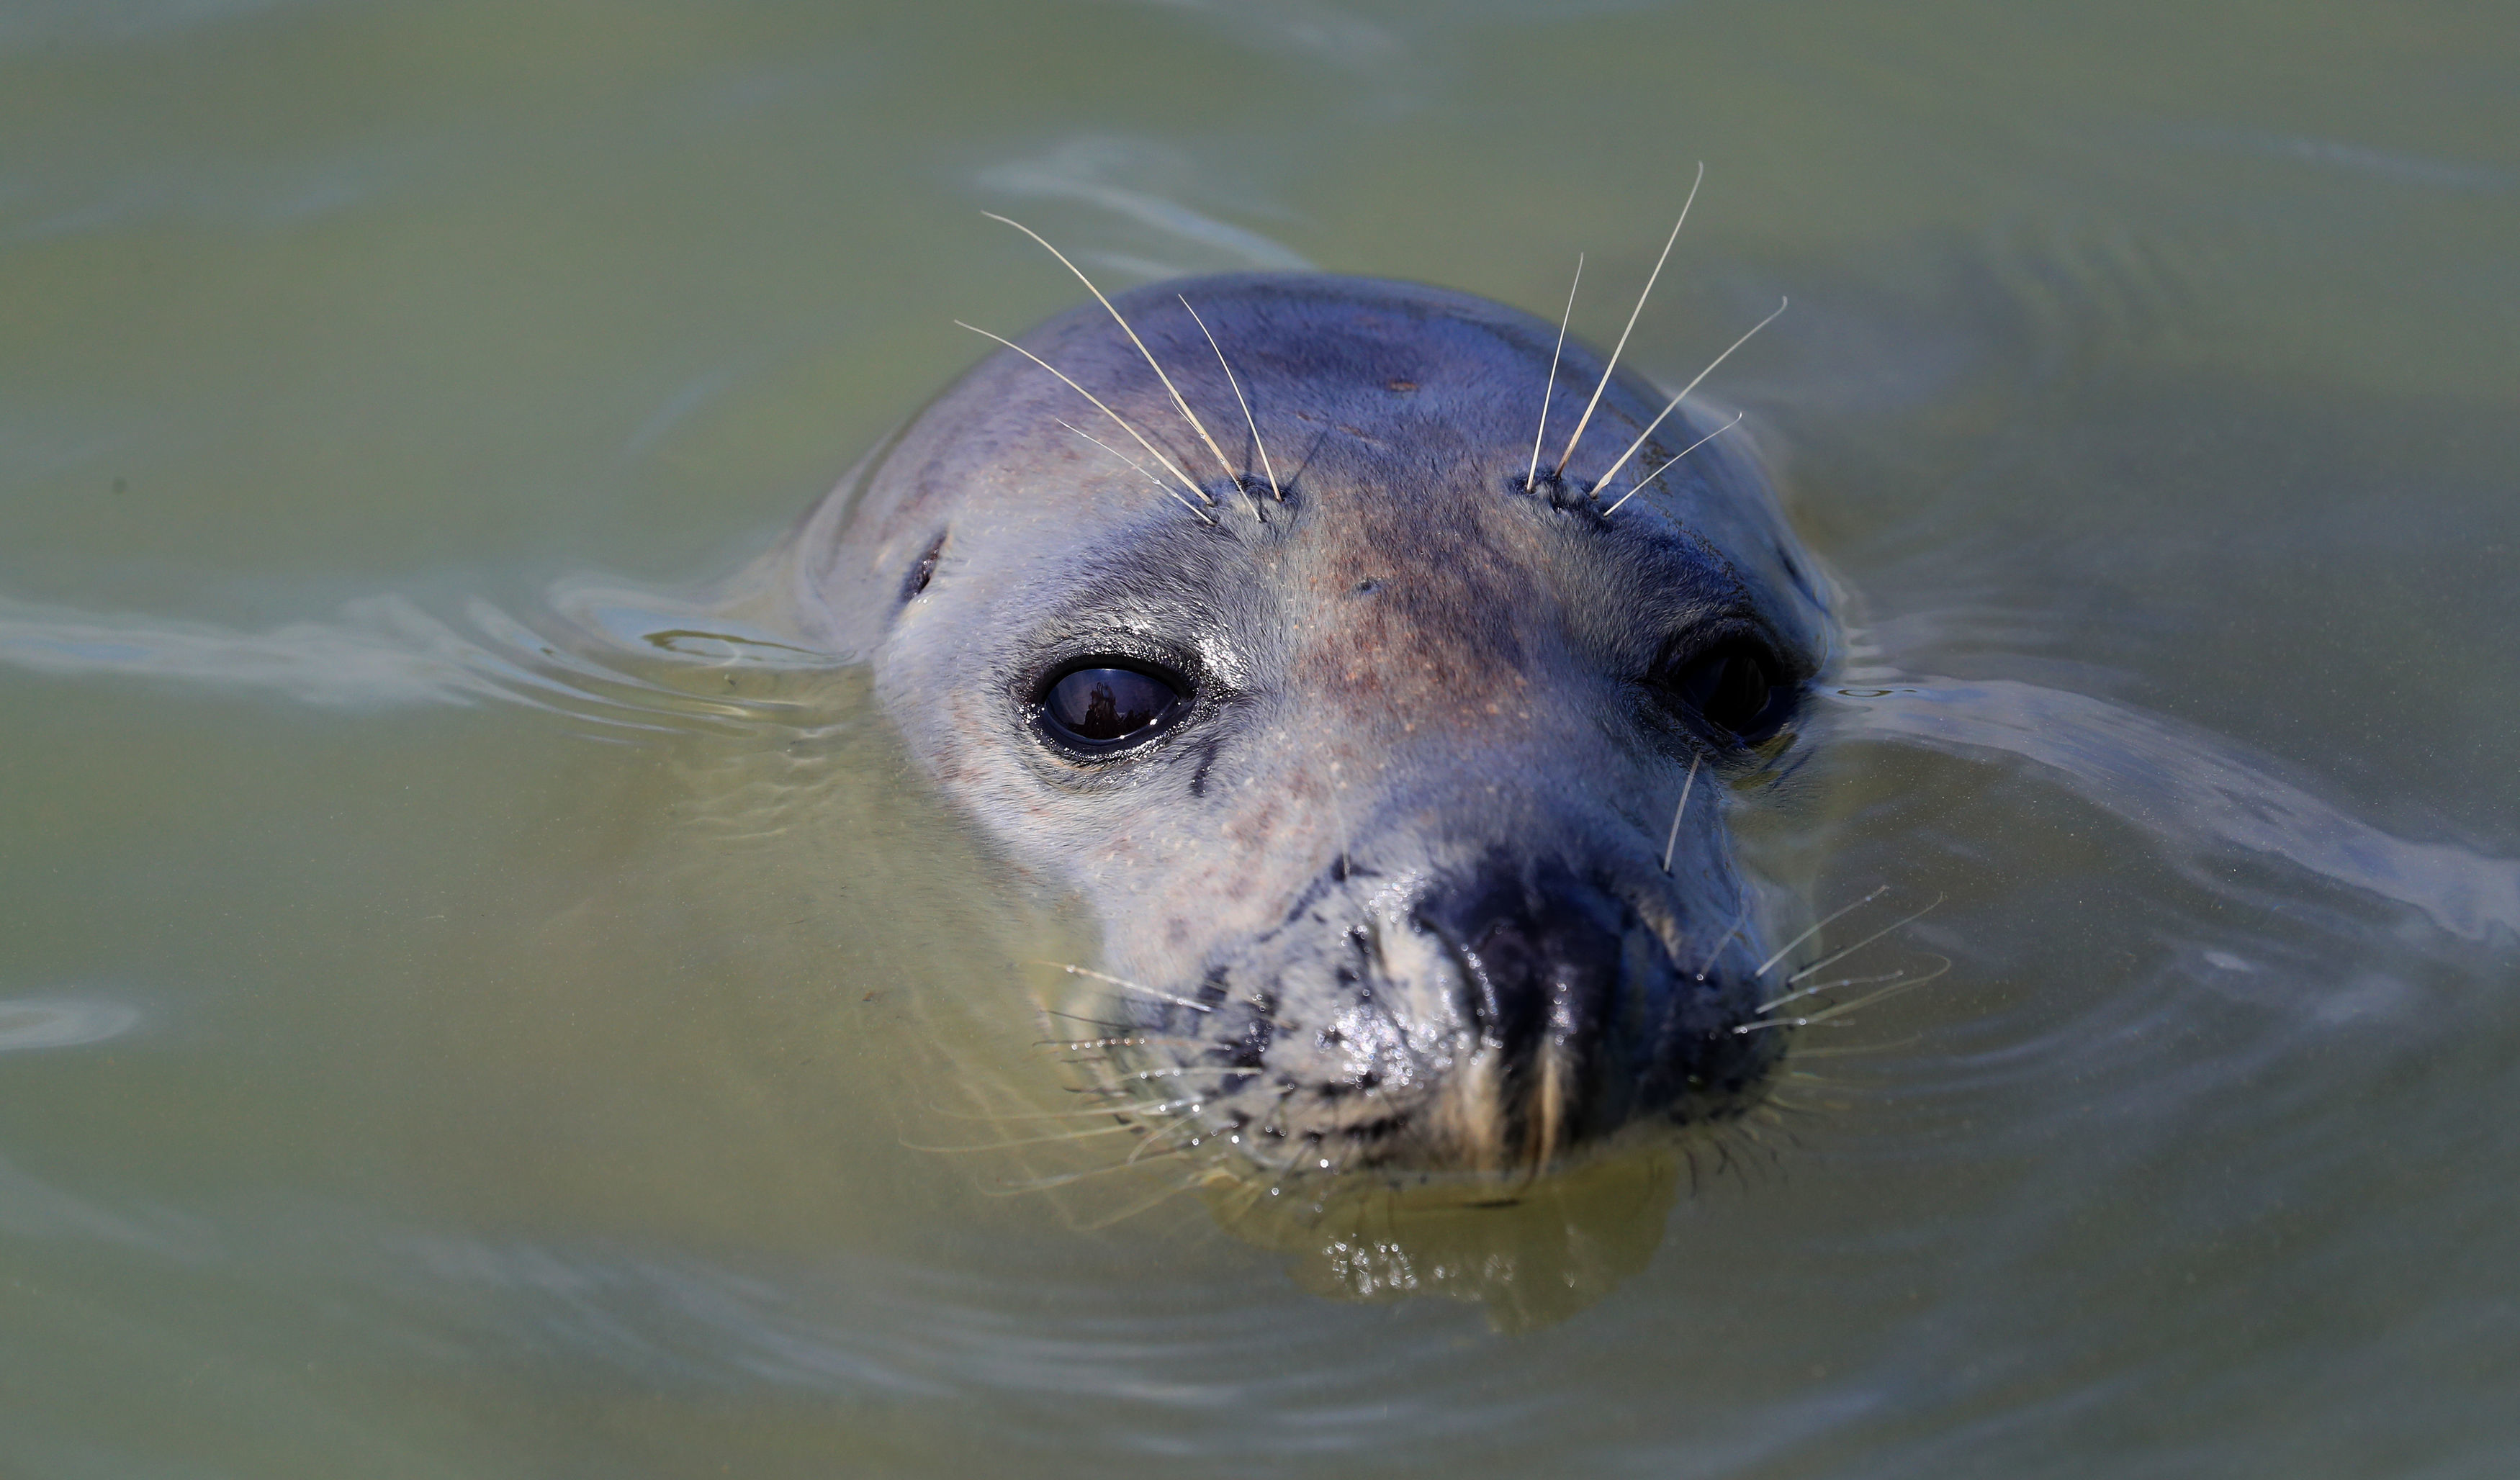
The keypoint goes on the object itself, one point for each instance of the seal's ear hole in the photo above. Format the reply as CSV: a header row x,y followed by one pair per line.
x,y
924,570
1736,687
1098,709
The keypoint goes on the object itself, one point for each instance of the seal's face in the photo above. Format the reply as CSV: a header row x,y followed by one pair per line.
x,y
1371,784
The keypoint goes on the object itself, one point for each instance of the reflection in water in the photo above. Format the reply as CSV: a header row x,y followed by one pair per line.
x,y
775,766
380,652
31,1207
389,651
1531,1258
42,1023
2198,798
1145,183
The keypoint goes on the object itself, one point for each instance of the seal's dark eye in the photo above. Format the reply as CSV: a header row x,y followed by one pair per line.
x,y
1735,688
1098,709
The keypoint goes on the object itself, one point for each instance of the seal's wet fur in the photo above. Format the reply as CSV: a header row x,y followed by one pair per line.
x,y
1390,893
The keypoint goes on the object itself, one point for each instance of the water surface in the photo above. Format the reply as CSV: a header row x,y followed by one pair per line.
x,y
450,1024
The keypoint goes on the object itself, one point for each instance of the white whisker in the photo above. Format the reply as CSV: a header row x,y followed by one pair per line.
x,y
1162,1134
1102,1111
1187,414
1590,406
1117,420
1548,391
1171,493
1622,459
1816,988
1247,419
1024,1141
1818,926
1721,941
1775,1024
1060,1180
1118,981
1132,1041
1837,1015
1097,1022
1835,957
1673,841
1858,1050
1228,1069
1667,465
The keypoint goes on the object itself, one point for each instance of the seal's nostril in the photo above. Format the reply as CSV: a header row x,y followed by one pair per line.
x,y
1552,977
1585,1021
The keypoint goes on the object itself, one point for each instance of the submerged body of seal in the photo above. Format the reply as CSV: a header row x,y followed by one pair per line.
x,y
1370,742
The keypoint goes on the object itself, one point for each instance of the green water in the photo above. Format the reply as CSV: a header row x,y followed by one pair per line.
x,y
433,1043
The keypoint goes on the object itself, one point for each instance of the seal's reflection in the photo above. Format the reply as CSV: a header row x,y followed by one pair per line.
x,y
1535,1257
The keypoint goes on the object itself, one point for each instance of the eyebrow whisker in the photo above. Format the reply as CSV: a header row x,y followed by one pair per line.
x,y
1169,465
1563,318
1622,460
1667,464
1187,415
1171,493
1564,457
1247,419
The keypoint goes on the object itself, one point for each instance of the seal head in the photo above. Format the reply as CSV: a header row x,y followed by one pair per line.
x,y
1366,757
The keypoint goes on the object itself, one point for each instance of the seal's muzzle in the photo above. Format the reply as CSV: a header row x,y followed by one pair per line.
x,y
1496,1017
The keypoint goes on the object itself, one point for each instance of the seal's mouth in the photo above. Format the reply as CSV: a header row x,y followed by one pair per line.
x,y
1509,1021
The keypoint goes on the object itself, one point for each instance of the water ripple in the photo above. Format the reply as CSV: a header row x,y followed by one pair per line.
x,y
60,1022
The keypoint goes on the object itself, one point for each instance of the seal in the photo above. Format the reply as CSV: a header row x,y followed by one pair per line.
x,y
1390,748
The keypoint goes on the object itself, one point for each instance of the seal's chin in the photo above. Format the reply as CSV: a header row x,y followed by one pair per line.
x,y
1515,1021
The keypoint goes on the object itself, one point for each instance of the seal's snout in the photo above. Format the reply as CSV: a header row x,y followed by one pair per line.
x,y
1541,960
1584,1021
1493,1019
